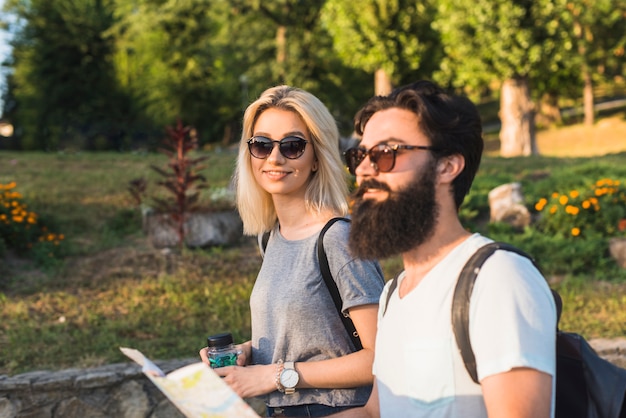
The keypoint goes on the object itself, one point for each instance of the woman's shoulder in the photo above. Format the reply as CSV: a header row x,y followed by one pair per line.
x,y
336,228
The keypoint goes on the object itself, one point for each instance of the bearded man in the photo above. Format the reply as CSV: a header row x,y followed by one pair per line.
x,y
419,152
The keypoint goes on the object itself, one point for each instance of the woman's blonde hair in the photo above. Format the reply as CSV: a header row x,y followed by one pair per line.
x,y
327,188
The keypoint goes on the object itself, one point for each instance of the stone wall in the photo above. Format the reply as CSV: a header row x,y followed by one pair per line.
x,y
122,391
116,390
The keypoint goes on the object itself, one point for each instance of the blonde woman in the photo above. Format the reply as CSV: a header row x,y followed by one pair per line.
x,y
290,181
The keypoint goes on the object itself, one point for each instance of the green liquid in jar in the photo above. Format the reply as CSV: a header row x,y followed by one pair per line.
x,y
221,360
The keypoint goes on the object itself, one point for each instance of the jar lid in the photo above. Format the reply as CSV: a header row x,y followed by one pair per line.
x,y
220,340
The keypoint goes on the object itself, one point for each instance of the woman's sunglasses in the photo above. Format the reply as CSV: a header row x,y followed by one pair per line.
x,y
382,156
290,147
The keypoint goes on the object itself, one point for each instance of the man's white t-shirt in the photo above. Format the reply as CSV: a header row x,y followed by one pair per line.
x,y
419,370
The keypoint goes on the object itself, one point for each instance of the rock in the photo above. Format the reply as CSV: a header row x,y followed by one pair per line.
x,y
506,204
202,229
617,249
218,228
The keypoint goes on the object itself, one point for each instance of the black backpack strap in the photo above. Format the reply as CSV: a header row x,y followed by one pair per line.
x,y
461,300
332,286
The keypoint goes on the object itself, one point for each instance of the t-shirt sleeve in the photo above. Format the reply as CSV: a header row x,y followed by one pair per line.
x,y
512,317
360,282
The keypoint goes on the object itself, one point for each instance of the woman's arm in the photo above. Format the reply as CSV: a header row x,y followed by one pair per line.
x,y
351,370
354,369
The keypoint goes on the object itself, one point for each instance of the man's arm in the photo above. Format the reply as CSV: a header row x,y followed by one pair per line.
x,y
519,393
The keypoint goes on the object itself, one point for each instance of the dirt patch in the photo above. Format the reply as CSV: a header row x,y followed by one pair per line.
x,y
136,260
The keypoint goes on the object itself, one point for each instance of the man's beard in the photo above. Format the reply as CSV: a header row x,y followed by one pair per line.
x,y
403,221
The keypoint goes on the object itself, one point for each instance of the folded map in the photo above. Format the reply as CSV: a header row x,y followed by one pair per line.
x,y
195,389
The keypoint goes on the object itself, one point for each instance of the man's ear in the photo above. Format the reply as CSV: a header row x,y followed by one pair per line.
x,y
450,167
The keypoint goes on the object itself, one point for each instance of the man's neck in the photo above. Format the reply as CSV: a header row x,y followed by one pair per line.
x,y
423,258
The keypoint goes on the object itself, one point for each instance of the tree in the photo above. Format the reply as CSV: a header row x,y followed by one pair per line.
x,y
169,62
284,41
504,40
63,85
597,31
391,39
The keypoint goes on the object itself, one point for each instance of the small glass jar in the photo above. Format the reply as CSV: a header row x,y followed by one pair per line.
x,y
221,351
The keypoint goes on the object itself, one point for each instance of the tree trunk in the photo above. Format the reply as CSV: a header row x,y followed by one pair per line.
x,y
588,97
281,51
517,135
382,83
550,112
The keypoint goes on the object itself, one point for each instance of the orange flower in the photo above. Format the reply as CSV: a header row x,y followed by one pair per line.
x,y
541,204
575,232
621,225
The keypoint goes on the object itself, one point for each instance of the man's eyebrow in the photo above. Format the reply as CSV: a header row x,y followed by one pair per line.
x,y
392,139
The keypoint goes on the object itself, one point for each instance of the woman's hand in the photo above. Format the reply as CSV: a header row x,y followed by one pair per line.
x,y
249,381
245,354
204,356
244,357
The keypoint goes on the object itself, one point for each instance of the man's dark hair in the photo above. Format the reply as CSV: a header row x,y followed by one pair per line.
x,y
451,122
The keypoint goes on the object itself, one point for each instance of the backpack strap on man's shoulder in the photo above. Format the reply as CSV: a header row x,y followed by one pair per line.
x,y
332,286
461,299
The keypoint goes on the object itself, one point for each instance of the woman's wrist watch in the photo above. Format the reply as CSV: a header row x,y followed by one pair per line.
x,y
289,377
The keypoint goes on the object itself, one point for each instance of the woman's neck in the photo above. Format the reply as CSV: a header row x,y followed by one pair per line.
x,y
296,222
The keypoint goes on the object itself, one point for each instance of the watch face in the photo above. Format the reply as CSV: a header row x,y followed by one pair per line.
x,y
289,378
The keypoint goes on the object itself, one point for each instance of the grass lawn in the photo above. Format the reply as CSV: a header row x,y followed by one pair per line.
x,y
113,289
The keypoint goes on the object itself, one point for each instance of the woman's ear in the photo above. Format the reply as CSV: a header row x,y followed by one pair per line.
x,y
450,167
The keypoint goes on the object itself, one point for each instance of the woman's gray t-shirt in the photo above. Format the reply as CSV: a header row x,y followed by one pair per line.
x,y
293,315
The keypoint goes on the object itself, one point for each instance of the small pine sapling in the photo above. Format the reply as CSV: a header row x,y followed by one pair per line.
x,y
180,178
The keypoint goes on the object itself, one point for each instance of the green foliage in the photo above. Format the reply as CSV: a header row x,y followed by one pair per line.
x,y
64,95
393,35
170,60
22,231
596,211
169,315
486,40
107,74
592,308
574,239
292,46
559,256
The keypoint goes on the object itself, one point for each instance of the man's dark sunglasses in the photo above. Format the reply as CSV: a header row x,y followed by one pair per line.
x,y
290,147
382,156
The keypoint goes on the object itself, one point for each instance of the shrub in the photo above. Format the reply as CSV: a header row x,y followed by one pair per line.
x,y
180,178
558,255
596,211
21,229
